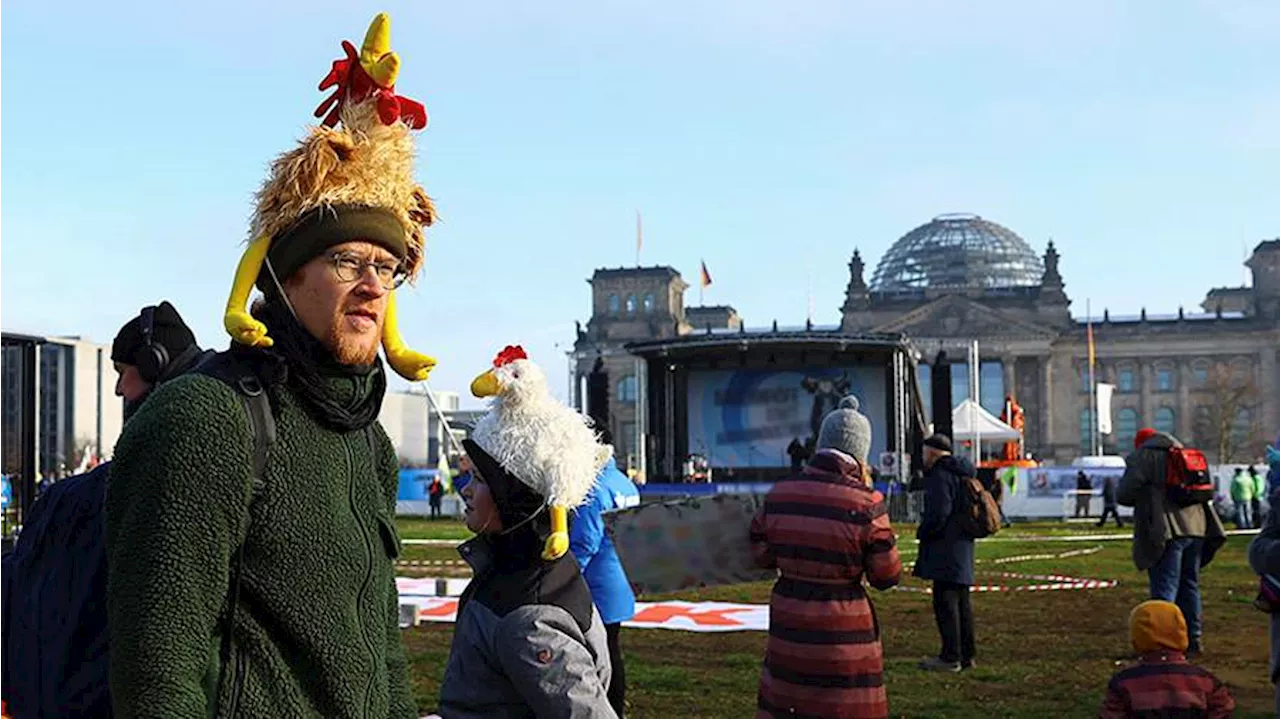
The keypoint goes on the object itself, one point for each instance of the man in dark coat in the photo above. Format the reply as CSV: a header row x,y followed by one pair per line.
x,y
55,654
946,555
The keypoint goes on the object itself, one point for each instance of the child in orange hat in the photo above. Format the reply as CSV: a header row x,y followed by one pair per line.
x,y
1163,683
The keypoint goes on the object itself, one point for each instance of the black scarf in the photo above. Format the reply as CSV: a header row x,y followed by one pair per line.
x,y
340,397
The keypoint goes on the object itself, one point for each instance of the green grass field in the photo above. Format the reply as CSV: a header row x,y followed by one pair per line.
x,y
1040,654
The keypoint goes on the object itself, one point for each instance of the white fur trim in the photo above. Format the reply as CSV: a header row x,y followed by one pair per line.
x,y
548,446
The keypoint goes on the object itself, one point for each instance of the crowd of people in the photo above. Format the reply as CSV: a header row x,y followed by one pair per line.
x,y
188,582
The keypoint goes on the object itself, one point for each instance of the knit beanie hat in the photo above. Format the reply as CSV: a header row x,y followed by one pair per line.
x,y
516,500
938,441
1156,625
845,429
167,330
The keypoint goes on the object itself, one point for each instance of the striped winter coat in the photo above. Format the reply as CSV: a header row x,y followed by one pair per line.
x,y
1165,685
824,529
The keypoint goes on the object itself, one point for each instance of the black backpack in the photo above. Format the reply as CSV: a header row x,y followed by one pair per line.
x,y
55,646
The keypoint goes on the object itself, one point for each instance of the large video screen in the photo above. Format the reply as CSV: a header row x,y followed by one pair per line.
x,y
746,418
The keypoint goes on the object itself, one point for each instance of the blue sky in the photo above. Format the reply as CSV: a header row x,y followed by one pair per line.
x,y
769,138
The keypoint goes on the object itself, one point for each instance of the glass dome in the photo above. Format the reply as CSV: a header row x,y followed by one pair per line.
x,y
958,251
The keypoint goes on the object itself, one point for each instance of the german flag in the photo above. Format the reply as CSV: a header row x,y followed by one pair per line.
x,y
706,276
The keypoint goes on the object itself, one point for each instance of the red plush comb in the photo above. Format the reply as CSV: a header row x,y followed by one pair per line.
x,y
354,85
509,354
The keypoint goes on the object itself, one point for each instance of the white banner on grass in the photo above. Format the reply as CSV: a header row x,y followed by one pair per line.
x,y
685,616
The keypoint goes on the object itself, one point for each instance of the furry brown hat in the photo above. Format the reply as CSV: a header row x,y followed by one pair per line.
x,y
350,179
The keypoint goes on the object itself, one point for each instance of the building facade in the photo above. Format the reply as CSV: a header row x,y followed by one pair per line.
x,y
416,431
1211,377
77,413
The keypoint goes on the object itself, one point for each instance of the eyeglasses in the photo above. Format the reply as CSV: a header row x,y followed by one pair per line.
x,y
350,268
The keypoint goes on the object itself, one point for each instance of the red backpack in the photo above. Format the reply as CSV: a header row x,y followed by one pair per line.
x,y
1187,481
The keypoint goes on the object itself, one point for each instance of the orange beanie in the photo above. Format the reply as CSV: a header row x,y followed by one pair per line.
x,y
1156,625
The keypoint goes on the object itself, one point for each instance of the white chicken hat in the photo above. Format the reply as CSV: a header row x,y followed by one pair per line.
x,y
547,446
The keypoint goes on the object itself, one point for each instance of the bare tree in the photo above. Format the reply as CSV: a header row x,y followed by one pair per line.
x,y
1228,423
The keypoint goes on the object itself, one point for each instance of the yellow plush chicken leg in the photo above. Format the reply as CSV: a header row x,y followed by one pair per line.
x,y
241,325
558,543
413,366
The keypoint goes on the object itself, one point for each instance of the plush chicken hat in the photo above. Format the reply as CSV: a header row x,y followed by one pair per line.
x,y
547,446
350,179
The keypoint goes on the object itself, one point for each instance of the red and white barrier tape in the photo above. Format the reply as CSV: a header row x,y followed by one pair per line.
x,y
1058,582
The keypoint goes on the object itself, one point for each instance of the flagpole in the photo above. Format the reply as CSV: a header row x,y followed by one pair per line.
x,y
1094,425
639,237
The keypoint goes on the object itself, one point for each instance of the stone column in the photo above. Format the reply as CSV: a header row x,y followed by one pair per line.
x,y
1269,391
1146,375
1186,412
1046,403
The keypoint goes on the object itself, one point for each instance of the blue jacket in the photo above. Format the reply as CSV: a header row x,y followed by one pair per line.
x,y
594,549
946,552
55,622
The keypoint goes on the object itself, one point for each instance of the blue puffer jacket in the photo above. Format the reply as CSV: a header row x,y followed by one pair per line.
x,y
594,549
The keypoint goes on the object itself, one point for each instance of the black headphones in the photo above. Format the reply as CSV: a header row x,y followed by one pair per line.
x,y
152,358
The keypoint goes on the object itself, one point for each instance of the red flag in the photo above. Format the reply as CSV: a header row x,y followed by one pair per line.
x,y
706,276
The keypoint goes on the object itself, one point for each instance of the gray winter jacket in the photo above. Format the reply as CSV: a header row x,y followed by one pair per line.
x,y
1264,558
528,642
1156,520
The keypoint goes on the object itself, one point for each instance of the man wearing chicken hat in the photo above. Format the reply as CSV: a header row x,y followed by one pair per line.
x,y
528,639
251,551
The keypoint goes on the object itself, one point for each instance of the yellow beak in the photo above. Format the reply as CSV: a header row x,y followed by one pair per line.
x,y
486,385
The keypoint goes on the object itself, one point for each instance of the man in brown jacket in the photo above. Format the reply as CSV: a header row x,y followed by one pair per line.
x,y
1170,542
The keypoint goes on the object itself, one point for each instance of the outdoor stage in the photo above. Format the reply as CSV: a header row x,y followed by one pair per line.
x,y
740,398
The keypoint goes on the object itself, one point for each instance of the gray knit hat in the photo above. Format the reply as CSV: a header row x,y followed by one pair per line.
x,y
846,430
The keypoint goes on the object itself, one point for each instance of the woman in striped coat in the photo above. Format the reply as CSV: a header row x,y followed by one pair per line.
x,y
825,529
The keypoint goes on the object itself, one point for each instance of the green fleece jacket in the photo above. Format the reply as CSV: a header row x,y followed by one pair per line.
x,y
316,630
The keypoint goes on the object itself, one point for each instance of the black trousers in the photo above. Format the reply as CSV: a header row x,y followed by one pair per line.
x,y
1082,504
954,614
1110,509
617,682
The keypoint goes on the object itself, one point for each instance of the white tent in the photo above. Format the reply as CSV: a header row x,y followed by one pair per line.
x,y
969,416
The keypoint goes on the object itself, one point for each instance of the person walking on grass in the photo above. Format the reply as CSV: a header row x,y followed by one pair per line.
x,y
946,555
826,529
435,495
1172,543
1242,495
1259,494
1109,502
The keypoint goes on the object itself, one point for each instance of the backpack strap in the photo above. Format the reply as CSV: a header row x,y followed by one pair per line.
x,y
226,368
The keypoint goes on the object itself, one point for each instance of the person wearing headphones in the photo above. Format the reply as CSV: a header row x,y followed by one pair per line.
x,y
151,348
55,643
